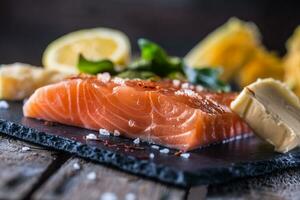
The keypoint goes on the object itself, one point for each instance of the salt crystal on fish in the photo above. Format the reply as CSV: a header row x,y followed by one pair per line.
x,y
185,86
176,82
165,150
103,131
117,133
199,88
104,77
136,141
118,80
4,105
91,176
130,196
186,92
91,136
185,155
108,196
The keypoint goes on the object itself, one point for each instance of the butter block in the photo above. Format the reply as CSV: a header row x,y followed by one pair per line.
x,y
272,111
18,80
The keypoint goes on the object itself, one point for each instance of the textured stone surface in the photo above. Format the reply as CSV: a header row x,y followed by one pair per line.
x,y
215,164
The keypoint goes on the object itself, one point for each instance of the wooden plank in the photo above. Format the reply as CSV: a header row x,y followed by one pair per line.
x,y
73,183
22,167
197,193
280,185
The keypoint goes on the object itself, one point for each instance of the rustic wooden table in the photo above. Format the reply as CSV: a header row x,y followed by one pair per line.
x,y
32,172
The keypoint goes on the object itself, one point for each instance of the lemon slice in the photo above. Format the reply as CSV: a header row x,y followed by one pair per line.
x,y
291,62
94,44
229,46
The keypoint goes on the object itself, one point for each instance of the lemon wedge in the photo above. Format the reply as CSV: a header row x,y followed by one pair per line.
x,y
229,46
94,44
291,62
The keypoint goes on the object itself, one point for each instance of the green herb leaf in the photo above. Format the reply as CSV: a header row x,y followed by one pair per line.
x,y
155,59
140,65
151,51
95,67
155,63
207,77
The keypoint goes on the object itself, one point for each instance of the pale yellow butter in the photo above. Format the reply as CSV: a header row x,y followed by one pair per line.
x,y
272,111
18,80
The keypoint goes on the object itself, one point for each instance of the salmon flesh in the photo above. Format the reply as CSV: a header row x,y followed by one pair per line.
x,y
169,113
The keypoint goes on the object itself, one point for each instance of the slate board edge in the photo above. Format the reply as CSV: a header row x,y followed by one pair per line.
x,y
147,168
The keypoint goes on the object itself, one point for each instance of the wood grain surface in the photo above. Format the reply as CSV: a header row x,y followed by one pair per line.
x,y
37,173
279,185
72,182
23,166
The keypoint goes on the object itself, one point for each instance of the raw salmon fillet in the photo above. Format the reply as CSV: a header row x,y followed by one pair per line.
x,y
171,114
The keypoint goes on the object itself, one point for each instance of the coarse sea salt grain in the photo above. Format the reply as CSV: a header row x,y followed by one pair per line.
x,y
151,155
179,92
185,155
108,196
165,150
176,82
117,133
136,141
130,196
91,176
103,131
154,147
118,80
185,86
186,92
4,105
25,149
76,166
91,136
199,88
104,77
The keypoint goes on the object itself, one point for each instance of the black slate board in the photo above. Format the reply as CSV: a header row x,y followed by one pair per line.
x,y
214,164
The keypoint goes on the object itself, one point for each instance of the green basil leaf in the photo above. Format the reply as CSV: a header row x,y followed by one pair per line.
x,y
151,51
158,61
140,65
95,67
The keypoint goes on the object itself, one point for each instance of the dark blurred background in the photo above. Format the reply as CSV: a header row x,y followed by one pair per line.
x,y
27,26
